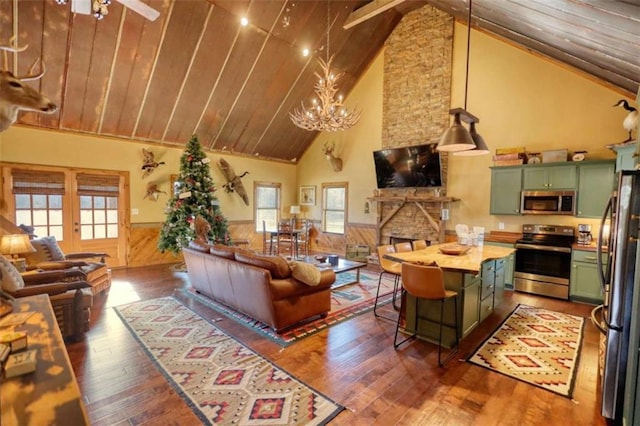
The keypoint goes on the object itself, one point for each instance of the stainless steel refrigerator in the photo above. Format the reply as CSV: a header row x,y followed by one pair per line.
x,y
621,314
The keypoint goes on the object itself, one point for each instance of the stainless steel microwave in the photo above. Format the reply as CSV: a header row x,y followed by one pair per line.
x,y
548,202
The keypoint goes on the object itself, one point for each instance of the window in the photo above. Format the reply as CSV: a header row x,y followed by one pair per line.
x,y
334,207
267,202
38,200
98,206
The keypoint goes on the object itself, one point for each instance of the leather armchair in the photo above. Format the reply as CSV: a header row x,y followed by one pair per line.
x,y
48,256
70,296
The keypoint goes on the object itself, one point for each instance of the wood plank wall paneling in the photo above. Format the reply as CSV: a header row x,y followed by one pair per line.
x,y
144,247
144,240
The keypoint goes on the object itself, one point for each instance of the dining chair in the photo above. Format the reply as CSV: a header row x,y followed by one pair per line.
x,y
419,244
267,240
303,237
388,267
285,240
426,282
403,246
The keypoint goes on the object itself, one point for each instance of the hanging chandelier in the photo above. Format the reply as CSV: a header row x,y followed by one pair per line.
x,y
326,113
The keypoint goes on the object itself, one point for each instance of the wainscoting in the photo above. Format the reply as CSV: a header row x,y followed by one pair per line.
x,y
144,241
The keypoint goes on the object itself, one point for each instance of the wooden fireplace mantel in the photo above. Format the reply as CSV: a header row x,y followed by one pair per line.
x,y
418,200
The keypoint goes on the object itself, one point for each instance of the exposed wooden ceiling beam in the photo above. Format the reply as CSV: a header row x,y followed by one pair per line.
x,y
369,11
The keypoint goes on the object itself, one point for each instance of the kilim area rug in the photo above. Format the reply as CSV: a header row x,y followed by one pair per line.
x,y
223,381
346,302
537,346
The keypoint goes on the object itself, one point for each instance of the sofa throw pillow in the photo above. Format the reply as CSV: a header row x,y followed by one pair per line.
x,y
277,265
47,250
11,278
305,272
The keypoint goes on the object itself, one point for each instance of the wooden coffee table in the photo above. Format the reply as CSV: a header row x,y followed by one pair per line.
x,y
343,265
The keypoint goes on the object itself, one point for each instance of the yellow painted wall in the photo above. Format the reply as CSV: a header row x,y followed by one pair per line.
x,y
27,145
523,100
354,147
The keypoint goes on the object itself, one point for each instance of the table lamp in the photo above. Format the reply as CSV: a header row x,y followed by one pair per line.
x,y
295,211
13,245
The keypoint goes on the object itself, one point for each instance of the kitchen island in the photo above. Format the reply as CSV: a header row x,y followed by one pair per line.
x,y
478,278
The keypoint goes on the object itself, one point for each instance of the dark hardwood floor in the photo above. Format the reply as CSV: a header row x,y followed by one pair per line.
x,y
353,363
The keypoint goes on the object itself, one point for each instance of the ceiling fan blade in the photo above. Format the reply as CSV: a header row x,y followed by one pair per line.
x,y
141,8
81,6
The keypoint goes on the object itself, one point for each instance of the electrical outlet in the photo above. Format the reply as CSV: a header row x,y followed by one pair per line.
x,y
444,214
500,225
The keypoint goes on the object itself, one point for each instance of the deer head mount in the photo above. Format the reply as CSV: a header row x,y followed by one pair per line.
x,y
336,162
15,95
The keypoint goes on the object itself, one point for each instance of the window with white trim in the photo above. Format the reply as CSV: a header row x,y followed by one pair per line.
x,y
267,205
334,207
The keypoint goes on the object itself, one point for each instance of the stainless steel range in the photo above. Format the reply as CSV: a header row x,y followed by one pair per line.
x,y
543,260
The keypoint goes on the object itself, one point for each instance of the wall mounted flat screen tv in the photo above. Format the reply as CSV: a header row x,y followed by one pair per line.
x,y
408,167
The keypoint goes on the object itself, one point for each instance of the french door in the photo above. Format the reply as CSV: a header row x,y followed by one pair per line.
x,y
84,209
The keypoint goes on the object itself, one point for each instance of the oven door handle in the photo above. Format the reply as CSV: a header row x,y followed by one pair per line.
x,y
543,248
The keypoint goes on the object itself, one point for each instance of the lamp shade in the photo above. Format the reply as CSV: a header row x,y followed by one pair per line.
x,y
480,146
15,244
456,138
295,210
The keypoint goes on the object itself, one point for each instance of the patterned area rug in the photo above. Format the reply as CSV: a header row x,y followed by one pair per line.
x,y
346,302
537,346
223,381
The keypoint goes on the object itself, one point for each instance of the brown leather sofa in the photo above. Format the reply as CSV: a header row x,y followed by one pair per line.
x,y
259,286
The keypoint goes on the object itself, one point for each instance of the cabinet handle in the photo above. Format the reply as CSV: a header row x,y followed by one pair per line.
x,y
590,257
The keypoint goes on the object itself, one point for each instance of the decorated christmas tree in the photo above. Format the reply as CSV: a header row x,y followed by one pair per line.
x,y
193,196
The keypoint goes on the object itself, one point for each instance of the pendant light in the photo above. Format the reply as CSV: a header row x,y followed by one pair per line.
x,y
457,138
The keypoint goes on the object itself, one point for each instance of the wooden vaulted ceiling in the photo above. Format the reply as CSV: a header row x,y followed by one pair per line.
x,y
197,70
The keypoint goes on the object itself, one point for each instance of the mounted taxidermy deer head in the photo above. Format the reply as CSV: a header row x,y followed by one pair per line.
x,y
336,162
15,95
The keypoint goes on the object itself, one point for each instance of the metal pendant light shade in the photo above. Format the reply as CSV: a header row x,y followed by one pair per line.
x,y
456,138
481,147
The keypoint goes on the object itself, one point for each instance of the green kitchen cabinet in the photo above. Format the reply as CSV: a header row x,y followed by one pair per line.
x,y
469,317
506,183
509,264
624,157
595,184
584,283
549,178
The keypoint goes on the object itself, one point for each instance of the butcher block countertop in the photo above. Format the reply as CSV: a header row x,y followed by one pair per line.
x,y
468,262
502,237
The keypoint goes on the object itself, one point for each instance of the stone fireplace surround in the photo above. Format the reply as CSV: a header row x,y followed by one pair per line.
x,y
416,102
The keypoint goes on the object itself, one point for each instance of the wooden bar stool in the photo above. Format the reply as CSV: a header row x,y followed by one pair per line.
x,y
403,247
427,282
419,244
388,267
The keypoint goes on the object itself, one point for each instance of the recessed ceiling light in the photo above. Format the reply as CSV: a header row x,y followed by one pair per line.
x,y
305,52
244,21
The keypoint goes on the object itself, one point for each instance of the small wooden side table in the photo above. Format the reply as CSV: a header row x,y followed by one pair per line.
x,y
49,395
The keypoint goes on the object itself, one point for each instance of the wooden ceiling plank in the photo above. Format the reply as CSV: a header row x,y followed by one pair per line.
x,y
111,71
188,73
135,58
221,33
54,53
368,11
248,76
